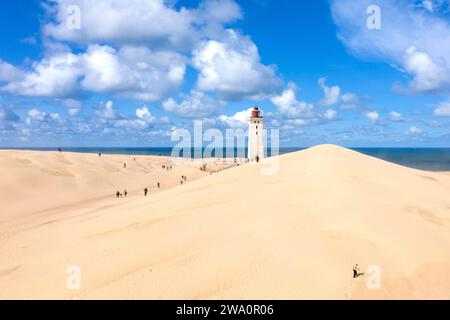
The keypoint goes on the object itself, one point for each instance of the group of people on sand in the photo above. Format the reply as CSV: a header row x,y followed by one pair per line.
x,y
146,191
120,195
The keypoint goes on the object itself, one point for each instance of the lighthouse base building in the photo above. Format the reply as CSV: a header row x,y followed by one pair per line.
x,y
256,136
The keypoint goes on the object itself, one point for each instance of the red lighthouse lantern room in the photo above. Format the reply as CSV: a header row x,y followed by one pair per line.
x,y
256,113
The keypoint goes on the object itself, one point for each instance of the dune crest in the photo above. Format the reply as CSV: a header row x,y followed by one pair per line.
x,y
239,234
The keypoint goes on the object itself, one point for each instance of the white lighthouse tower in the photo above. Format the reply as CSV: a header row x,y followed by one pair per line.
x,y
256,136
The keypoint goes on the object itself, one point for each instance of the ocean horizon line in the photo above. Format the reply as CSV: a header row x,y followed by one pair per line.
x,y
171,147
423,158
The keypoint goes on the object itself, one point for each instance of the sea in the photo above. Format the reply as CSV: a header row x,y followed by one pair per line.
x,y
431,159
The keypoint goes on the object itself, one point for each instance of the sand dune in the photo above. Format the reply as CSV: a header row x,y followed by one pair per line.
x,y
33,181
235,234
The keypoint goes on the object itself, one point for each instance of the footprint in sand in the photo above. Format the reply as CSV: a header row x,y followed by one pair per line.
x,y
57,173
23,161
349,290
8,271
429,178
424,214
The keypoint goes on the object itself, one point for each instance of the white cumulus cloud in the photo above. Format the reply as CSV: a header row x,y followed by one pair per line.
x,y
107,111
373,116
427,76
331,94
36,116
396,116
155,23
195,105
330,114
414,131
237,121
130,72
55,76
442,110
8,72
415,43
232,68
288,105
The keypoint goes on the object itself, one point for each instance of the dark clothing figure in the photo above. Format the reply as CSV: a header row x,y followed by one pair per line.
x,y
356,271
124,165
159,186
125,193
145,191
117,194
99,155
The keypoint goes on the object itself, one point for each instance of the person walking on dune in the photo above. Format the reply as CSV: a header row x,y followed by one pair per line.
x,y
117,194
125,193
356,271
145,191
159,185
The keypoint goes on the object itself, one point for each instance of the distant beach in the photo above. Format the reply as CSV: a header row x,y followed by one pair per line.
x,y
431,159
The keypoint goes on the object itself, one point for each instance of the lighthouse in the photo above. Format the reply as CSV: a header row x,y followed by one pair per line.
x,y
256,136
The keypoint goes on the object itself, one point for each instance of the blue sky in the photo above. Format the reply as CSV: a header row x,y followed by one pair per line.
x,y
130,74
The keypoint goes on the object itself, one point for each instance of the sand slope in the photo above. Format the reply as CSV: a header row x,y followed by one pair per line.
x,y
32,181
240,234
